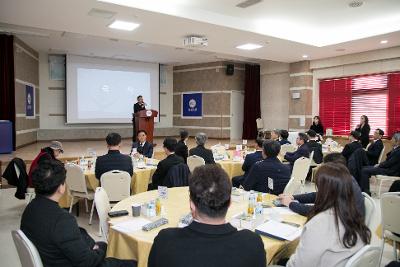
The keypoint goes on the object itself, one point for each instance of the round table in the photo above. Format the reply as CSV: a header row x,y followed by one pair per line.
x,y
137,245
232,168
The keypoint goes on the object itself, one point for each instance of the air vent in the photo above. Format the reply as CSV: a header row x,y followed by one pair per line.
x,y
247,3
100,13
356,3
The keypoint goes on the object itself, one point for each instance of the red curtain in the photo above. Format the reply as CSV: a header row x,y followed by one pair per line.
x,y
7,80
251,101
394,103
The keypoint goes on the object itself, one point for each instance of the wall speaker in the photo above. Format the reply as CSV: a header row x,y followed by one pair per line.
x,y
230,69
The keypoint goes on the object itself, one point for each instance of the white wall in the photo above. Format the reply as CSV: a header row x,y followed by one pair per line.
x,y
274,94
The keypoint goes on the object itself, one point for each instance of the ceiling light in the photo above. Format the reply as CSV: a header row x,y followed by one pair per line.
x,y
384,41
305,56
123,25
249,46
356,3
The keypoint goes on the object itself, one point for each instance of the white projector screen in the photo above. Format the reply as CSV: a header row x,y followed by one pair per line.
x,y
105,90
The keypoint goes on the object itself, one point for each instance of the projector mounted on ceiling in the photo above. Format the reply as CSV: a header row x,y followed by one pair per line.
x,y
195,41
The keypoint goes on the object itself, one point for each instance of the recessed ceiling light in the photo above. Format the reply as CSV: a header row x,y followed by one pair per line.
x,y
356,3
384,41
123,25
248,46
305,56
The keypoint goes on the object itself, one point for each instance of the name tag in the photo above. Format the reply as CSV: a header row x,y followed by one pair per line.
x,y
270,183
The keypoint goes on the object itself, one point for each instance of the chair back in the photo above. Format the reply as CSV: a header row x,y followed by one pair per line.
x,y
299,175
117,184
102,203
260,124
370,208
312,158
195,161
75,179
177,176
381,155
27,252
390,209
287,148
368,256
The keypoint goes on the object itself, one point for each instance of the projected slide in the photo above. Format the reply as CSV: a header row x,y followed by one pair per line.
x,y
110,94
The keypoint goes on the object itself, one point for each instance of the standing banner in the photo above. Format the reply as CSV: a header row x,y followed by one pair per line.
x,y
192,105
30,101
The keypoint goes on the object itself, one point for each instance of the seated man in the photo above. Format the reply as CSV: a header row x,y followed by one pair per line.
x,y
275,134
249,160
284,136
209,240
165,165
302,204
268,168
375,149
391,166
113,160
302,150
54,231
181,148
142,146
200,150
313,145
354,144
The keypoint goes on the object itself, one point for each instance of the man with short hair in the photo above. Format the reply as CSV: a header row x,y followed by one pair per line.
x,y
313,145
375,149
249,160
302,150
284,136
142,146
158,178
139,105
268,175
54,231
181,148
209,240
275,134
200,150
391,166
113,160
354,144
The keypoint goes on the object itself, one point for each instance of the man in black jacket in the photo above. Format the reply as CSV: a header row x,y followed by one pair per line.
x,y
375,149
142,146
200,150
268,175
391,166
353,145
302,150
209,240
140,105
302,204
181,149
113,160
165,165
55,232
313,145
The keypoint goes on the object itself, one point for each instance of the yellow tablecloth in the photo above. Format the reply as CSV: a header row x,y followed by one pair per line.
x,y
232,168
137,245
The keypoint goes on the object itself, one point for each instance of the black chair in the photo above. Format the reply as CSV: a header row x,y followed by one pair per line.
x,y
177,176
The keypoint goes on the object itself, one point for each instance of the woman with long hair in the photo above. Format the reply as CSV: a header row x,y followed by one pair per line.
x,y
317,125
335,229
364,129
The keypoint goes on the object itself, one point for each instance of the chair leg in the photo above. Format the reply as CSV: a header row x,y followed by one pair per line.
x,y
72,203
382,247
380,188
86,206
91,214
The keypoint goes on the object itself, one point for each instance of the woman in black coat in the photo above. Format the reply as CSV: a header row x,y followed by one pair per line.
x,y
317,126
364,129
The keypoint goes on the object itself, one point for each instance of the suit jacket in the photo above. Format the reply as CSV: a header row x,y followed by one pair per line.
x,y
302,151
163,167
199,245
350,148
364,138
317,148
114,160
56,236
203,152
137,107
21,181
392,162
249,160
257,179
182,150
374,151
356,162
146,149
284,142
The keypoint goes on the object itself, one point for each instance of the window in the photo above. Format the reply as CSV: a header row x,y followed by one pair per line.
x,y
344,100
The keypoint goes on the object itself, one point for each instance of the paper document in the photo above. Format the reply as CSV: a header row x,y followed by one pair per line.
x,y
131,225
280,210
279,230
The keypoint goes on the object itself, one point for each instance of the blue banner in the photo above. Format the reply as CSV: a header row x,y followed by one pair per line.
x,y
29,101
192,105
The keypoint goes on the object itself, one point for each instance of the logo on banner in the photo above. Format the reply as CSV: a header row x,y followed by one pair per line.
x,y
29,101
192,105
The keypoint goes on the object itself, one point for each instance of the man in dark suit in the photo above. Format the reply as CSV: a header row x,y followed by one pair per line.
x,y
165,165
353,145
375,149
268,175
139,105
302,150
54,231
201,151
249,160
113,160
209,240
313,145
284,136
142,146
181,148
391,166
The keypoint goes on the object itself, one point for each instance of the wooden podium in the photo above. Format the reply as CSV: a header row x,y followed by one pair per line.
x,y
144,120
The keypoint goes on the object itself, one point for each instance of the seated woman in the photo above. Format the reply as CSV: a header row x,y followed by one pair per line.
x,y
335,229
